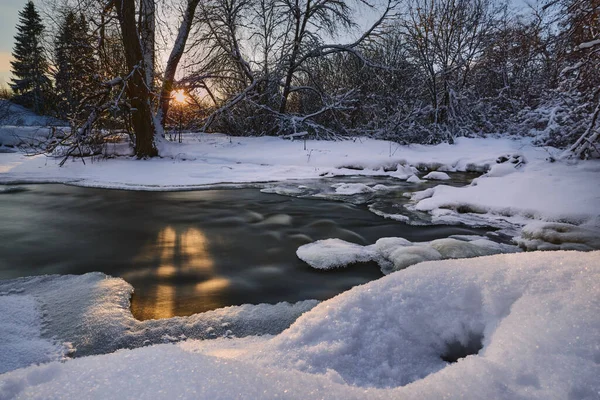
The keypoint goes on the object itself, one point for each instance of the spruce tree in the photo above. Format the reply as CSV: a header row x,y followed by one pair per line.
x,y
75,66
30,84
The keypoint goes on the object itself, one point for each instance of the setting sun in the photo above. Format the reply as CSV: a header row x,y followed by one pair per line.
x,y
179,96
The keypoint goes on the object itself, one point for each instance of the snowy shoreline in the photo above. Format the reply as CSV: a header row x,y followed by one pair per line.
x,y
516,193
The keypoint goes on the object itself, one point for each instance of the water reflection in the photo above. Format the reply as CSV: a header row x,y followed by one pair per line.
x,y
200,250
176,256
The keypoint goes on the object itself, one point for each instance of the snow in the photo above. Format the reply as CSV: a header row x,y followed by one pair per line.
x,y
352,188
588,45
414,179
437,176
396,253
91,312
553,192
333,253
21,332
535,315
209,159
558,236
16,115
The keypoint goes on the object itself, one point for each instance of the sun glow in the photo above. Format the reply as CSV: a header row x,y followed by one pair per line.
x,y
179,96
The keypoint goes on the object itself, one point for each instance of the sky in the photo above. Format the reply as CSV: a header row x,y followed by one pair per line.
x,y
9,14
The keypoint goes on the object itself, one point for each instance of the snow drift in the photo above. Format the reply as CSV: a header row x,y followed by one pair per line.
x,y
534,314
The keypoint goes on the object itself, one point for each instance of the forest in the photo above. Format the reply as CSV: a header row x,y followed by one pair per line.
x,y
409,71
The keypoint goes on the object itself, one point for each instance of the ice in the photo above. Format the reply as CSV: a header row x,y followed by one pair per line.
x,y
395,253
407,256
91,312
352,188
395,217
404,172
437,176
333,253
558,236
535,315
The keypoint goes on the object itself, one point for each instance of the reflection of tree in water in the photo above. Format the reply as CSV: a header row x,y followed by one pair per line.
x,y
181,263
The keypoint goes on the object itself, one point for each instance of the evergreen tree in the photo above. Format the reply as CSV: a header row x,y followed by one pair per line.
x,y
30,84
75,66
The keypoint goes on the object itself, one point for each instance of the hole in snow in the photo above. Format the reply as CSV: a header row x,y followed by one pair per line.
x,y
456,350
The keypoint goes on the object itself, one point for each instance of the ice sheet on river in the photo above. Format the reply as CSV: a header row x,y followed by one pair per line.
x,y
91,312
534,314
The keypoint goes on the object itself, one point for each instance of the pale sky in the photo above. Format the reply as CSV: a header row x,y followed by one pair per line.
x,y
9,15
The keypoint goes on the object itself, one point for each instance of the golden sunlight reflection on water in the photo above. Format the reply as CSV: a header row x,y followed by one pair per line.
x,y
175,255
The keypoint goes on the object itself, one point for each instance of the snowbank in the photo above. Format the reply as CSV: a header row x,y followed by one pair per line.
x,y
208,159
394,253
553,192
534,315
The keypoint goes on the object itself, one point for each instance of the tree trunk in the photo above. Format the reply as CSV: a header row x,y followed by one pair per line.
x,y
137,90
174,58
147,31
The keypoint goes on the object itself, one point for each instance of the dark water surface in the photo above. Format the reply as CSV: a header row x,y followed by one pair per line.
x,y
188,252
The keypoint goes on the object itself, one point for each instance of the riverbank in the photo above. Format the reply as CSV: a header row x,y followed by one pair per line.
x,y
521,184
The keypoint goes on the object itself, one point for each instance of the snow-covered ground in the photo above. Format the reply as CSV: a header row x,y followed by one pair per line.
x,y
526,325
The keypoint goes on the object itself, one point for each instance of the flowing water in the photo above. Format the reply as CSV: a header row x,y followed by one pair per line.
x,y
193,251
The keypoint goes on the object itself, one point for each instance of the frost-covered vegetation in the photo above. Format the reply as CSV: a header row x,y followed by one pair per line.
x,y
415,71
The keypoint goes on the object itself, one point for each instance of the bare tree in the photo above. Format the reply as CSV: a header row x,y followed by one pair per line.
x,y
446,38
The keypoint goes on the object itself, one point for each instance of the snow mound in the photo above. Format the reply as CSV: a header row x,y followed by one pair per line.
x,y
535,314
352,188
333,253
393,253
500,170
437,176
558,236
404,172
414,179
528,324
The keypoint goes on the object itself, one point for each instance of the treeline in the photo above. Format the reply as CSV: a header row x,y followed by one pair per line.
x,y
425,71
